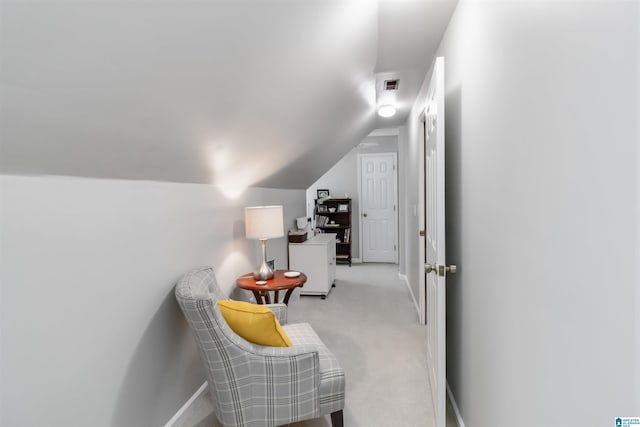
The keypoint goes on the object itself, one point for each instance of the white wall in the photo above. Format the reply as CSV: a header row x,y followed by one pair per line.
x,y
342,179
91,332
543,211
409,140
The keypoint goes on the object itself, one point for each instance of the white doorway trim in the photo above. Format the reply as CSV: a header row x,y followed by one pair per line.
x,y
435,262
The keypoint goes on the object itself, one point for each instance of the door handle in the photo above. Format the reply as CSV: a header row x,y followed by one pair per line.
x,y
441,270
364,214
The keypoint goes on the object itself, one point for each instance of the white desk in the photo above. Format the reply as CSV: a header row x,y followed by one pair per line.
x,y
317,259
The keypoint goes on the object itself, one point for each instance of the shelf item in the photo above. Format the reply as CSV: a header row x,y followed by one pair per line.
x,y
297,236
334,216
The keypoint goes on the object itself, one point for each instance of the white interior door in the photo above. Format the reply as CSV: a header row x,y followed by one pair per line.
x,y
435,268
378,207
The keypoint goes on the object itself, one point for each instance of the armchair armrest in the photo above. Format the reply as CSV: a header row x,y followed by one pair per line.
x,y
285,383
280,310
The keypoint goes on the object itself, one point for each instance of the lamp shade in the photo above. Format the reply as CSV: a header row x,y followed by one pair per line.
x,y
264,222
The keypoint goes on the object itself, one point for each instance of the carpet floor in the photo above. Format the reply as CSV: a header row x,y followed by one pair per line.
x,y
371,325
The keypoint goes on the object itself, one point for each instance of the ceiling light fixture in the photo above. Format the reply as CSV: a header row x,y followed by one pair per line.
x,y
386,111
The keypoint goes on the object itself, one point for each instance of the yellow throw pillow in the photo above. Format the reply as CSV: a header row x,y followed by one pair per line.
x,y
254,323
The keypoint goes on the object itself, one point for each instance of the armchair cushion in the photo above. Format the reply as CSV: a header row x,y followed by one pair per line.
x,y
254,323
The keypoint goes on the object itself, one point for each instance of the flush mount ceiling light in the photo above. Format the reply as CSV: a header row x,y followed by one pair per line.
x,y
386,111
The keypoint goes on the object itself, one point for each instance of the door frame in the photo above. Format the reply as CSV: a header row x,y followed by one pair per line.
x,y
436,283
422,256
395,201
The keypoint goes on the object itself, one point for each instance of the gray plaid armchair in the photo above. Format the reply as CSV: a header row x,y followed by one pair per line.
x,y
253,385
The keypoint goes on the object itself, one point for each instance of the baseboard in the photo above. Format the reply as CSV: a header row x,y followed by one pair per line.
x,y
454,405
403,277
356,260
186,406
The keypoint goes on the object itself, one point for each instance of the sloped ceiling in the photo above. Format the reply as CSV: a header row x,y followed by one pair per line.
x,y
231,92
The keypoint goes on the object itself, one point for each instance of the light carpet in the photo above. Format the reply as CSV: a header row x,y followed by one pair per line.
x,y
370,323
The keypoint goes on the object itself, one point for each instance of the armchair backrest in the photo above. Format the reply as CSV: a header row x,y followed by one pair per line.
x,y
224,354
199,284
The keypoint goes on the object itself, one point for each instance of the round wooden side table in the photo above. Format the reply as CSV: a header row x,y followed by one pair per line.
x,y
279,283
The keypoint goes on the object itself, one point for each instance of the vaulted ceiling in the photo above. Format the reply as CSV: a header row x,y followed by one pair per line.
x,y
231,92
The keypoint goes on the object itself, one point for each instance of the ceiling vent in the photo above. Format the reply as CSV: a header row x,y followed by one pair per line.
x,y
391,84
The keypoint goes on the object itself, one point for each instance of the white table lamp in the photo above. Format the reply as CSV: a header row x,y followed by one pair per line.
x,y
263,222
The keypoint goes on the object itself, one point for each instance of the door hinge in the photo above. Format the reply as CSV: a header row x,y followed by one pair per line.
x,y
394,167
394,208
394,248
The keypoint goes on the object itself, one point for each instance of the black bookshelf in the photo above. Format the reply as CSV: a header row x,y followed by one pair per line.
x,y
334,216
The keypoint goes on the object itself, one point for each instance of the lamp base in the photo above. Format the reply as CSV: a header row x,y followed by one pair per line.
x,y
263,272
